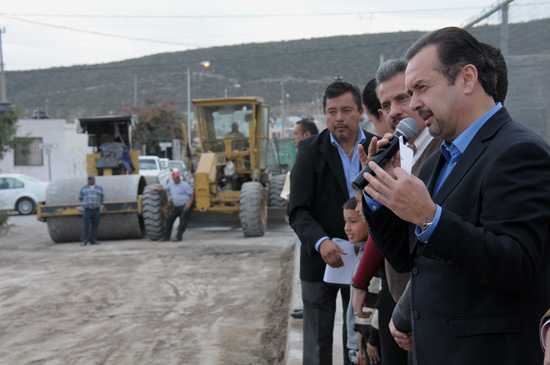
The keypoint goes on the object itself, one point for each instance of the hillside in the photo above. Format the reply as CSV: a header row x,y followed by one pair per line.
x,y
300,69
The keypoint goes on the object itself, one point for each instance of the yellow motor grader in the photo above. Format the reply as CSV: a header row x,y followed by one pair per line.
x,y
232,174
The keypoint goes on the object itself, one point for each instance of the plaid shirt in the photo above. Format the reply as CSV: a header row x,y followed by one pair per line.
x,y
91,198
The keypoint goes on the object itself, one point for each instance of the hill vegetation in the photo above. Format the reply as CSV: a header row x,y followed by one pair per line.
x,y
297,71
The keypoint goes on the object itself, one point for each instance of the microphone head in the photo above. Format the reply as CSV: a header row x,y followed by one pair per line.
x,y
408,128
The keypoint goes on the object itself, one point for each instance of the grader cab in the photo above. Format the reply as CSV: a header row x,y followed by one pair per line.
x,y
232,175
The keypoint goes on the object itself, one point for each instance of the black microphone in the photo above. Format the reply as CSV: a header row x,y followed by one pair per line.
x,y
408,128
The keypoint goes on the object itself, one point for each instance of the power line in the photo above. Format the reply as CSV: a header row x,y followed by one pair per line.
x,y
181,16
100,33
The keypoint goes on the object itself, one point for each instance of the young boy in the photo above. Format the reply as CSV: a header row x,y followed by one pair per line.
x,y
357,231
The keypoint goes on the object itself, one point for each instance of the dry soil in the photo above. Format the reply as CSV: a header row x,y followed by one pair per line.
x,y
215,298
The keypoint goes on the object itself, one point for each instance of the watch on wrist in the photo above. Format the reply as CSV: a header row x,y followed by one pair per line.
x,y
425,226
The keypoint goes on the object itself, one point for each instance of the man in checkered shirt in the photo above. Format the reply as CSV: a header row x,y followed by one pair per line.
x,y
91,196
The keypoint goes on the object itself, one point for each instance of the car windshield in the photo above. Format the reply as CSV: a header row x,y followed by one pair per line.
x,y
147,165
177,165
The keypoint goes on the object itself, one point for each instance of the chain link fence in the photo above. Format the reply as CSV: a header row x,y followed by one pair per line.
x,y
521,29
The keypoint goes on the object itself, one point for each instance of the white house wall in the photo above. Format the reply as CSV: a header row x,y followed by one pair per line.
x,y
68,160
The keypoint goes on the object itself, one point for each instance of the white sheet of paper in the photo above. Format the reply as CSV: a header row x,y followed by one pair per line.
x,y
343,274
286,187
406,156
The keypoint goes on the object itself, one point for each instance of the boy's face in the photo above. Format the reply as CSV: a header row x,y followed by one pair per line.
x,y
359,198
356,229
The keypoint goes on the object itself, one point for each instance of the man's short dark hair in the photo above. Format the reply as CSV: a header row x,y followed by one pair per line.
x,y
308,125
338,88
388,70
457,48
502,71
370,98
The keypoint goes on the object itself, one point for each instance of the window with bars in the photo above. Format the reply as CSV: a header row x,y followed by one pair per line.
x,y
28,152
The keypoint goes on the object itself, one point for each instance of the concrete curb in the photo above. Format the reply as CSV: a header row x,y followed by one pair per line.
x,y
294,338
294,330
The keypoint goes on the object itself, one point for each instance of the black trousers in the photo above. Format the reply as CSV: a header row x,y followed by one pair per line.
x,y
319,301
174,214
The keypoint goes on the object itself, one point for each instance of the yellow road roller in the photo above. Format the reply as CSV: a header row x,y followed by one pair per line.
x,y
129,209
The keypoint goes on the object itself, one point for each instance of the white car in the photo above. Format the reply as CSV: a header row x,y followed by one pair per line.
x,y
155,166
21,192
164,164
177,164
149,165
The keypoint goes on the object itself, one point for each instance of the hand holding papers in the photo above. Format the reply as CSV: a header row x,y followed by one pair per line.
x,y
343,274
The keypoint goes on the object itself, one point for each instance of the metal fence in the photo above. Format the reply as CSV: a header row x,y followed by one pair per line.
x,y
521,29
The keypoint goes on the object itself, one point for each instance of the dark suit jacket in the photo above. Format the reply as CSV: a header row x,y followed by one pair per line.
x,y
398,281
318,191
481,283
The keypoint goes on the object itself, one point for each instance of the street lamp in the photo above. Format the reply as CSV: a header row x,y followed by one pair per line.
x,y
204,64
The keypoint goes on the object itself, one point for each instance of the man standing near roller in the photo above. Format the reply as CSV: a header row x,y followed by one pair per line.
x,y
91,196
182,197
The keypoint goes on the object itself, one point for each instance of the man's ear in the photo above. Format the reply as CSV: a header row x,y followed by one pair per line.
x,y
306,134
469,77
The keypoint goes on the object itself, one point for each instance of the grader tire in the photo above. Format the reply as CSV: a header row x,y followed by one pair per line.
x,y
153,212
276,185
253,209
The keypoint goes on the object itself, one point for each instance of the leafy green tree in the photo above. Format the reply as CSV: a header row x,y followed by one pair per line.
x,y
157,122
8,129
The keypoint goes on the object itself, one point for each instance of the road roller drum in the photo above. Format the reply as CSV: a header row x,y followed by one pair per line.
x,y
121,214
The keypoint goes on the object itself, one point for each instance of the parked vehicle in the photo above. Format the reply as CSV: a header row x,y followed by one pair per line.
x,y
177,164
149,165
164,164
21,192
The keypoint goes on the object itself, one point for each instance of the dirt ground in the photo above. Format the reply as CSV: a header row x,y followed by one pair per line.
x,y
215,298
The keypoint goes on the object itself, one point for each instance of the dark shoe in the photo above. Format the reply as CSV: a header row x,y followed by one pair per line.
x,y
298,314
164,240
95,243
177,240
83,244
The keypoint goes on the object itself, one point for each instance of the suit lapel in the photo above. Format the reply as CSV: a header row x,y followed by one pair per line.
x,y
331,155
464,164
435,173
472,153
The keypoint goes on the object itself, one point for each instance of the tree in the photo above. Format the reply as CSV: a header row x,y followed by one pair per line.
x,y
8,129
157,122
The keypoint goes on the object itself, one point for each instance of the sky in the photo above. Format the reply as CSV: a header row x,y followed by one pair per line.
x,y
38,34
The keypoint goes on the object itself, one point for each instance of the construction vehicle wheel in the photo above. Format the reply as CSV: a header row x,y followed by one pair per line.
x,y
253,207
153,212
276,185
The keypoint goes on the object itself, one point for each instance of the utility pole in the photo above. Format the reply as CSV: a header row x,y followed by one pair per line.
x,y
135,91
4,98
283,109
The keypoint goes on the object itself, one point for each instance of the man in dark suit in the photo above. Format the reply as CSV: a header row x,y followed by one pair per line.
x,y
474,227
320,184
394,107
